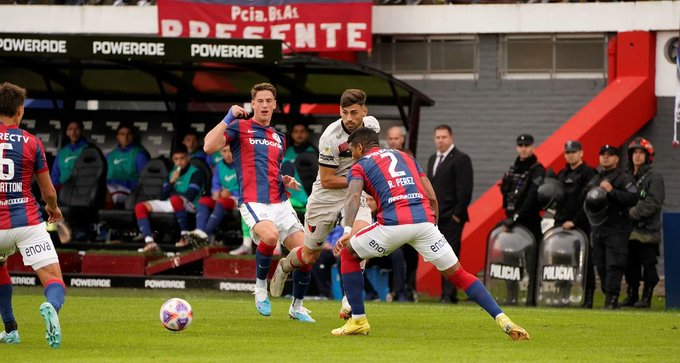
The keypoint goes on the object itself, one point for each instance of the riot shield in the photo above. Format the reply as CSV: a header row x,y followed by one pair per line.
x,y
561,273
510,264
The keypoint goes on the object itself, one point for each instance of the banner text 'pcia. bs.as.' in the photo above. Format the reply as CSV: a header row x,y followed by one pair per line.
x,y
302,25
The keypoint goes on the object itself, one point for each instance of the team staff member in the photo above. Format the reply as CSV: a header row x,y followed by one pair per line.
x,y
643,246
450,171
575,176
610,234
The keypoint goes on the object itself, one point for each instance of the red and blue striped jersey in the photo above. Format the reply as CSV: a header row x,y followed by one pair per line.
x,y
21,156
258,152
392,178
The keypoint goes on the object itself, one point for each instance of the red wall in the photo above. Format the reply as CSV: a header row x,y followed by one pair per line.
x,y
613,116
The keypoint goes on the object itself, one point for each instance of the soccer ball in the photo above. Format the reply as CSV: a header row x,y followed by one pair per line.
x,y
176,314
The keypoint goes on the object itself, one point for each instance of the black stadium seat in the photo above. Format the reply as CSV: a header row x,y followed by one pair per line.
x,y
85,191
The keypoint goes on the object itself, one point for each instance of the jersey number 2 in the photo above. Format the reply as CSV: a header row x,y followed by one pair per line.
x,y
6,163
393,165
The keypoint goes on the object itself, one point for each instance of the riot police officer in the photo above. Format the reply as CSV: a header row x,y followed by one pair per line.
x,y
610,193
520,198
643,246
570,214
519,188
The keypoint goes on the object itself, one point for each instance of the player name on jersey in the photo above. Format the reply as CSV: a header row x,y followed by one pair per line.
x,y
11,187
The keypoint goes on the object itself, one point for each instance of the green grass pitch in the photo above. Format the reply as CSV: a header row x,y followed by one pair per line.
x,y
123,326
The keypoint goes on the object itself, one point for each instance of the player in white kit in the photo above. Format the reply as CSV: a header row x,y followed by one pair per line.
x,y
325,204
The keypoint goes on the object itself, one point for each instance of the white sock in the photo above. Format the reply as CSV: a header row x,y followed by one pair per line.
x,y
260,284
358,316
297,303
248,242
148,239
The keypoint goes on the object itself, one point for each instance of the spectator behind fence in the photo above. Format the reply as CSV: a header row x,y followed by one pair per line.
x,y
125,163
179,194
643,245
450,171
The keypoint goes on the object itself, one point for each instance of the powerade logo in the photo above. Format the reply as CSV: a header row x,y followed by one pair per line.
x,y
23,281
265,142
237,286
77,282
504,272
165,284
558,273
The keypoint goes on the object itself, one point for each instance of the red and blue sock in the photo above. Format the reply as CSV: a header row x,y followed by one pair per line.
x,y
301,278
263,259
205,204
55,291
180,213
143,223
475,290
222,205
6,300
352,281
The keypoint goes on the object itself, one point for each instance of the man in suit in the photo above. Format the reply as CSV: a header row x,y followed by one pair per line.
x,y
450,171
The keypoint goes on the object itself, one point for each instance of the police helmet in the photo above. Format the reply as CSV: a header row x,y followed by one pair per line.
x,y
642,144
596,206
550,193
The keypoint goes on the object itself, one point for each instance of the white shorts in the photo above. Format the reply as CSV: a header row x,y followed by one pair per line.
x,y
321,219
33,242
378,240
281,214
164,206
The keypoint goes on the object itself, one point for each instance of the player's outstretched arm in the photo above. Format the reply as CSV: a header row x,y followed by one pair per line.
x,y
49,195
431,196
214,139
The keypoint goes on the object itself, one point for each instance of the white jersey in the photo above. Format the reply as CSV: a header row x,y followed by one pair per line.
x,y
334,153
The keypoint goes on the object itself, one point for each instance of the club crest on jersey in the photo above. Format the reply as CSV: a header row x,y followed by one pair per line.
x,y
344,150
276,138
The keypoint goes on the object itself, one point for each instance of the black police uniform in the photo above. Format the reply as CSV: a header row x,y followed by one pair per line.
x,y
643,247
520,198
575,182
610,239
520,202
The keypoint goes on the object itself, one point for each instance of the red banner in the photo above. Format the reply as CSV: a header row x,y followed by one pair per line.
x,y
316,26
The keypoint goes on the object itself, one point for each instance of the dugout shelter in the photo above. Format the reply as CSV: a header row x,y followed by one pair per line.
x,y
167,85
